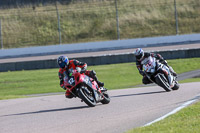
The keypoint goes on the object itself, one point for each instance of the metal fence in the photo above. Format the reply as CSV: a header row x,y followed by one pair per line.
x,y
96,20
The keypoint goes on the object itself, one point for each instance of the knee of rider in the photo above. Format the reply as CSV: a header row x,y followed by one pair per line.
x,y
68,94
144,82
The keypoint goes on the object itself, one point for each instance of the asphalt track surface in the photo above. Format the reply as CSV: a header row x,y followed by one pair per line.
x,y
129,108
87,54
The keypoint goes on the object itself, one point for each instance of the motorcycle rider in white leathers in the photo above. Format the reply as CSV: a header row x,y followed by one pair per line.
x,y
141,55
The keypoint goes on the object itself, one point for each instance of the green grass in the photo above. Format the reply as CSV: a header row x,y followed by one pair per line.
x,y
94,20
185,65
185,121
115,76
20,83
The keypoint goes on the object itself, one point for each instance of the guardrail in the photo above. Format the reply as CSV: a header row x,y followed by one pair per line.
x,y
96,60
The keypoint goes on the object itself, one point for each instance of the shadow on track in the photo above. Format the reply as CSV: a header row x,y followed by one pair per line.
x,y
148,93
50,110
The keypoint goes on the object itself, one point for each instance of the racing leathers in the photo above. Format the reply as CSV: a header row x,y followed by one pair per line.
x,y
145,80
72,65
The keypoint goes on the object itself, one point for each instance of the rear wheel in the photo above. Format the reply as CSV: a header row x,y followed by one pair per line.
x,y
176,86
163,82
106,99
87,96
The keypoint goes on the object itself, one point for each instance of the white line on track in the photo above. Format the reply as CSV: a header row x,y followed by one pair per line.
x,y
175,110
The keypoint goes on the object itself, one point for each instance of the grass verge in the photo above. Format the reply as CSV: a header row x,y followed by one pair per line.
x,y
185,121
115,76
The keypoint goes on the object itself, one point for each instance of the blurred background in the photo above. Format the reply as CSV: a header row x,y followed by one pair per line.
x,y
25,23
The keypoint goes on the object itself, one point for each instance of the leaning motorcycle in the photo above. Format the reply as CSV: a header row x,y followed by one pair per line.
x,y
159,74
86,88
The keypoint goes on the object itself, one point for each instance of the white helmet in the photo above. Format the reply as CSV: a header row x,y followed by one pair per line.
x,y
139,54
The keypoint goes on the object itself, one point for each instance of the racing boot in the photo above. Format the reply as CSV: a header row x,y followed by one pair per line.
x,y
93,75
170,68
101,84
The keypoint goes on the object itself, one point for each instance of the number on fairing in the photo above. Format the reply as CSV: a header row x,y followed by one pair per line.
x,y
71,81
148,67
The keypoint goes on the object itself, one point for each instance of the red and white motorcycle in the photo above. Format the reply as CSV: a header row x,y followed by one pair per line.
x,y
159,74
86,88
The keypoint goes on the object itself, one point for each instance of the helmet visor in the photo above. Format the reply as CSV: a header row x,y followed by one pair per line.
x,y
62,65
139,56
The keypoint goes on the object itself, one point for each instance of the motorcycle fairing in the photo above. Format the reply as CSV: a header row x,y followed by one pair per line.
x,y
149,64
91,84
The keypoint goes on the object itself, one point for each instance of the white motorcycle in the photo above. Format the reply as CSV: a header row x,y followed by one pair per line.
x,y
160,74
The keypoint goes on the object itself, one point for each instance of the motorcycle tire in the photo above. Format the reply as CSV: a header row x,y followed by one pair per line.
x,y
106,99
176,86
89,100
162,82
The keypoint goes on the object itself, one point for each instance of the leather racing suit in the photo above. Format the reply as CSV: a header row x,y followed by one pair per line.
x,y
145,80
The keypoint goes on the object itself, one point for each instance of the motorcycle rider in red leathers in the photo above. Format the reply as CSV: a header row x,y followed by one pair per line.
x,y
141,55
65,65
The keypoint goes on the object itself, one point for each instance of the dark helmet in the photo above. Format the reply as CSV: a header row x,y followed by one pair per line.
x,y
62,61
139,54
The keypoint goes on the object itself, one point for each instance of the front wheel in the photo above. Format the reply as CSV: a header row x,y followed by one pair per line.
x,y
162,82
86,95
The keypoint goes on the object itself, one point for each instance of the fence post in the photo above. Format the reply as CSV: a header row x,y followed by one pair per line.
x,y
1,36
59,30
117,20
176,18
